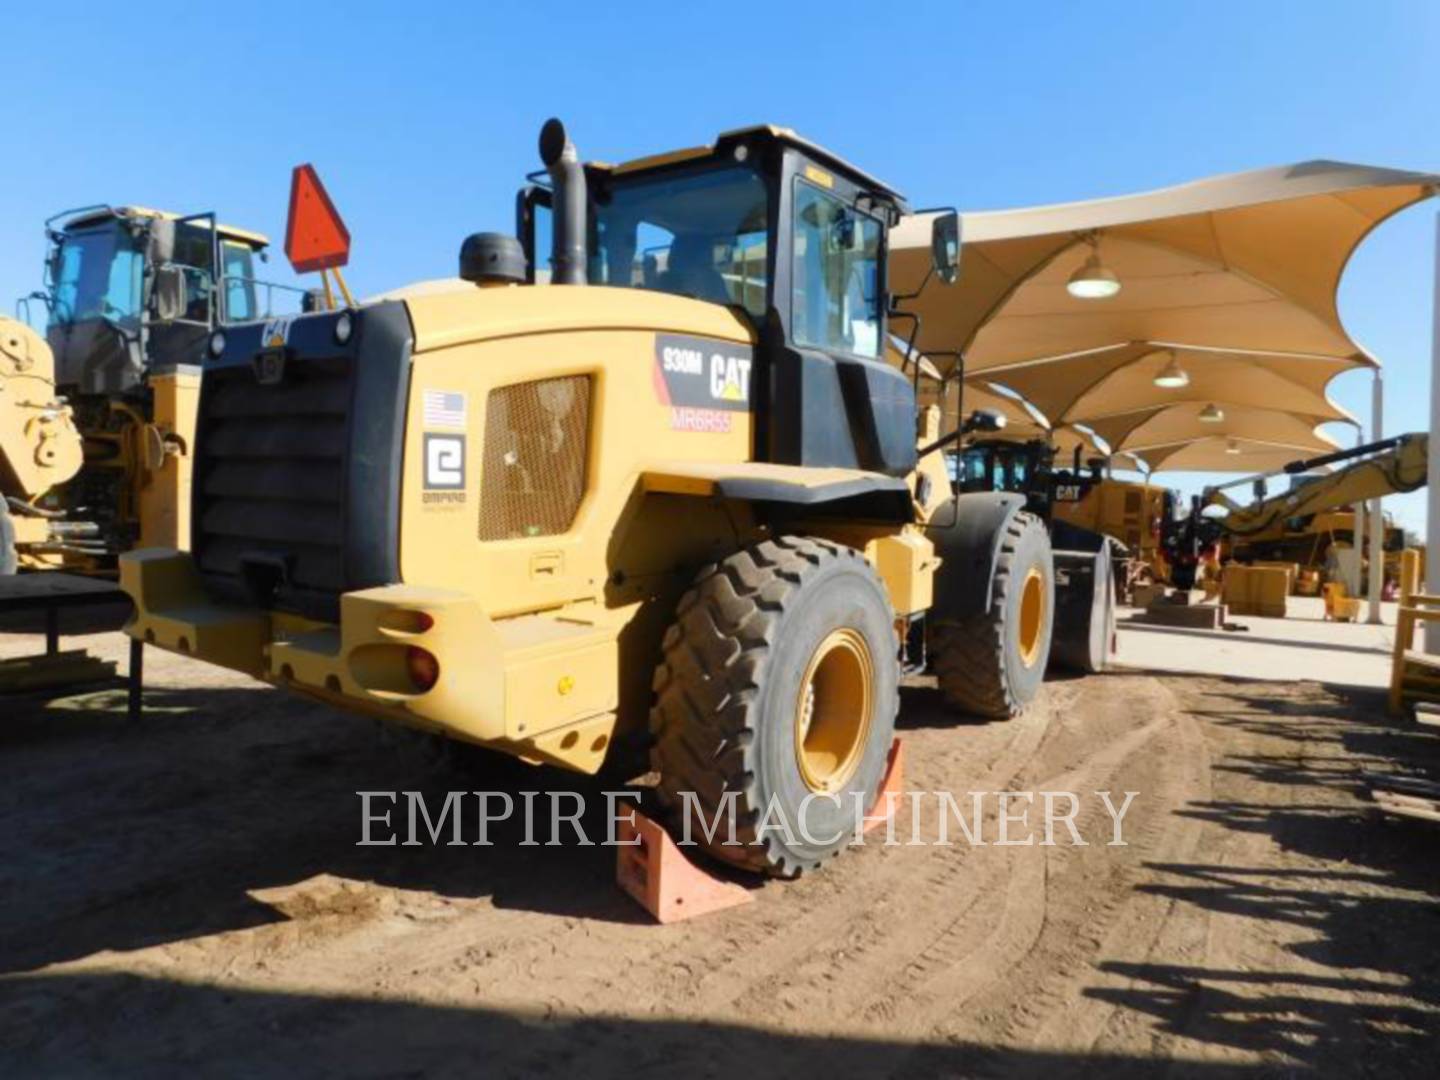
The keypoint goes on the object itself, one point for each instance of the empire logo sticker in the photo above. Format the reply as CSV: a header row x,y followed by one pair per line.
x,y
697,377
444,469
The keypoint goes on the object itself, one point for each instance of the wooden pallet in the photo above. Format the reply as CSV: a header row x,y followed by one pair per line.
x,y
49,591
1405,796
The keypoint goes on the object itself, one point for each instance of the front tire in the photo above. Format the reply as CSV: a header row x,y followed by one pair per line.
x,y
779,682
991,664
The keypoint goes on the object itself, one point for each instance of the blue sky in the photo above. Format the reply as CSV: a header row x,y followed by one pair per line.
x,y
422,118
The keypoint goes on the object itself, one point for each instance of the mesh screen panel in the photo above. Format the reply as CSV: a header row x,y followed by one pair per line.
x,y
533,474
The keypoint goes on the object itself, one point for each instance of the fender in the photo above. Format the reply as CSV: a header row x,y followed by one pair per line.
x,y
1084,639
968,544
859,493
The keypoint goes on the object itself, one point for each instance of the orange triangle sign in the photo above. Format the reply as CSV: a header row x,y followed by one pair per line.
x,y
315,237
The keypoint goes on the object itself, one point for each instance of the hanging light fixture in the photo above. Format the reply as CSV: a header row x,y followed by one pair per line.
x,y
1232,446
1211,414
1172,376
1094,280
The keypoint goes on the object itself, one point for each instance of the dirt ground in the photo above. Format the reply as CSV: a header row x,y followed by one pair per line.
x,y
187,897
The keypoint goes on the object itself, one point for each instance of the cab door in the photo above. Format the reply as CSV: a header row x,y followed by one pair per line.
x,y
833,399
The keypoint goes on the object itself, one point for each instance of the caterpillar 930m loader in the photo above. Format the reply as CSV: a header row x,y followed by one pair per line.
x,y
664,489
132,296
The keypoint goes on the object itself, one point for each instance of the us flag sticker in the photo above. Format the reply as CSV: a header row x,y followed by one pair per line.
x,y
444,409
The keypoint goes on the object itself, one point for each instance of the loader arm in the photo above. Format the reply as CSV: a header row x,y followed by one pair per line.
x,y
1400,468
39,445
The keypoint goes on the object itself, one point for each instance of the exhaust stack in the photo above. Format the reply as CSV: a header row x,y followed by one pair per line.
x,y
567,179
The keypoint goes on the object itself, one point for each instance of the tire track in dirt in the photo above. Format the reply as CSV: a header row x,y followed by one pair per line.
x,y
858,910
1119,921
985,945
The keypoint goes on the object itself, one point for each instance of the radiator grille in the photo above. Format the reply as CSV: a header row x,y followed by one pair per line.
x,y
271,473
536,443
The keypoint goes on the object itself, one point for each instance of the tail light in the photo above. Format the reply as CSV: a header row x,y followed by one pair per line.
x,y
422,667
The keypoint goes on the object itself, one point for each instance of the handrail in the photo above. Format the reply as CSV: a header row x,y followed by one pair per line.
x,y
270,288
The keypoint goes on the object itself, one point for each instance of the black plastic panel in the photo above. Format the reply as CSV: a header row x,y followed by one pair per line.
x,y
297,476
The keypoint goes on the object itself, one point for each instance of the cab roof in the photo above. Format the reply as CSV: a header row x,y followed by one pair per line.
x,y
96,215
727,139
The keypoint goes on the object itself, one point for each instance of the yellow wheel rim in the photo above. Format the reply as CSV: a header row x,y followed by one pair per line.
x,y
832,711
1032,616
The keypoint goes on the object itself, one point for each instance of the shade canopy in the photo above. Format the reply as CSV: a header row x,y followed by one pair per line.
x,y
1230,280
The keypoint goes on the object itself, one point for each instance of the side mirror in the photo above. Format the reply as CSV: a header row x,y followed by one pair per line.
x,y
987,420
945,245
167,293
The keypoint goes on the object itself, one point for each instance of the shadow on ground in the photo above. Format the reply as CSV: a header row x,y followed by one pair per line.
x,y
121,837
275,1034
1364,895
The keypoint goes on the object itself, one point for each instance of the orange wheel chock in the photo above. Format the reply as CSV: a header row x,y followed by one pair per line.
x,y
891,789
658,876
665,882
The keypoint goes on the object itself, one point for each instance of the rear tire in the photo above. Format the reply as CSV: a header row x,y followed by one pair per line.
x,y
991,664
780,680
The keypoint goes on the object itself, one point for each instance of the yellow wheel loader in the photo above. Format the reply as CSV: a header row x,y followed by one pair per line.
x,y
1093,562
131,298
658,490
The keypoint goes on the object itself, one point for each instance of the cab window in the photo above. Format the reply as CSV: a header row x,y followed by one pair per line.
x,y
193,258
97,276
238,271
700,235
836,298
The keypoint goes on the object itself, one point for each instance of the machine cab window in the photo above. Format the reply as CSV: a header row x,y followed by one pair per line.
x,y
835,282
698,234
237,269
97,275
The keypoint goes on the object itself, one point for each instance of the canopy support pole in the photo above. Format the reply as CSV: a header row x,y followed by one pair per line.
x,y
1377,519
1432,502
1355,579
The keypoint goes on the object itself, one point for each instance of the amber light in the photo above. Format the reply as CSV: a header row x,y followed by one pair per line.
x,y
423,668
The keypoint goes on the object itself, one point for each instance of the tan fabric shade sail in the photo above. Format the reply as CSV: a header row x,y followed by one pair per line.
x,y
1167,425
1231,279
1213,454
1120,380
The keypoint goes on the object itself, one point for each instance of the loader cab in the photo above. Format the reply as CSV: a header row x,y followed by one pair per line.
x,y
1024,468
792,238
128,289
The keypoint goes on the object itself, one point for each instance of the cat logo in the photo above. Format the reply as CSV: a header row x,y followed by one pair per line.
x,y
276,334
702,373
729,378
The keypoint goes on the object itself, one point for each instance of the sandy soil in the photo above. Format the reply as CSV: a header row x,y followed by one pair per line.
x,y
187,897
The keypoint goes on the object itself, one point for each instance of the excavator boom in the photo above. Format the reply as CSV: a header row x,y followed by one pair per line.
x,y
1393,467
